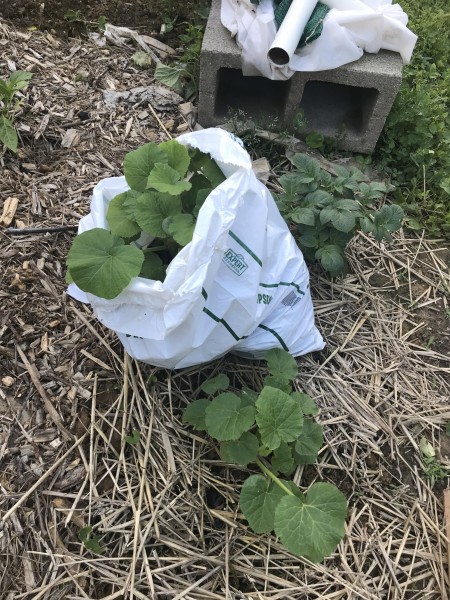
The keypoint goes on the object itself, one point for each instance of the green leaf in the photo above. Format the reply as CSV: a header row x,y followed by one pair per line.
x,y
258,500
167,180
8,135
308,167
198,159
19,80
85,533
313,525
200,200
290,183
342,220
181,228
91,542
101,264
341,171
139,163
347,204
170,76
387,219
307,404
242,451
189,198
281,364
309,442
216,384
93,545
307,216
282,459
309,239
194,414
318,199
153,267
372,191
177,155
117,218
248,396
134,438
331,258
226,417
212,172
314,140
279,417
279,382
153,208
142,59
5,89
129,204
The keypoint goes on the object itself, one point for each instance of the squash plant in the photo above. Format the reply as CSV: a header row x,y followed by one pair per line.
x,y
274,429
149,223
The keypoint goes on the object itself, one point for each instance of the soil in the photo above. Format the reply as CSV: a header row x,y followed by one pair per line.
x,y
145,15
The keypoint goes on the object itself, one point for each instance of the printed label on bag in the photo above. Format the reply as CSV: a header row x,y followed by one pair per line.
x,y
291,299
235,262
264,299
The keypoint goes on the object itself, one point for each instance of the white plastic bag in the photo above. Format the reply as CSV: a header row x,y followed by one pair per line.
x,y
345,36
241,284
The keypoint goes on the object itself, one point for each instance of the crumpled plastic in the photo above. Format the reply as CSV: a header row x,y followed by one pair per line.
x,y
240,285
346,35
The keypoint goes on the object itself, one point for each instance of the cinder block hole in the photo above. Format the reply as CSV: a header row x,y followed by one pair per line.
x,y
332,107
258,97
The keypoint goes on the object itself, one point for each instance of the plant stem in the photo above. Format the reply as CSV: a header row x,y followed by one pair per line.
x,y
274,478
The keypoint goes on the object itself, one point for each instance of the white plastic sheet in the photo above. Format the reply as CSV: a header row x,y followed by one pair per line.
x,y
240,285
346,35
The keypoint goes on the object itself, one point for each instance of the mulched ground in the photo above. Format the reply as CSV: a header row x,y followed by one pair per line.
x,y
166,509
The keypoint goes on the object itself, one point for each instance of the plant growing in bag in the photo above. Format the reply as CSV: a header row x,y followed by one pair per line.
x,y
324,212
149,223
274,429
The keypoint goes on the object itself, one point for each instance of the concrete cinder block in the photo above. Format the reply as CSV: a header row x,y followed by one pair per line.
x,y
349,104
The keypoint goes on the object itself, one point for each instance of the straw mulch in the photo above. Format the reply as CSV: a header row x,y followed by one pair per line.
x,y
165,509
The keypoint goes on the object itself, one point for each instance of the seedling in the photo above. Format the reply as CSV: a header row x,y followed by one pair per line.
x,y
275,430
433,469
134,438
9,105
149,223
325,211
91,542
184,73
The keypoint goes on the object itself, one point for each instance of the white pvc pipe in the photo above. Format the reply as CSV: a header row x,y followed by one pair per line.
x,y
290,31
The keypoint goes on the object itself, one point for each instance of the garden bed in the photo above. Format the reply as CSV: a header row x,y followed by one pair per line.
x,y
165,508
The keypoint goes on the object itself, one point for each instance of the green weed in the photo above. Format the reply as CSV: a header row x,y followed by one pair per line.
x,y
415,145
9,104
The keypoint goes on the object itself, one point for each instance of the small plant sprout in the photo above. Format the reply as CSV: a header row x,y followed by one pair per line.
x,y
9,104
168,185
90,541
433,469
275,430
